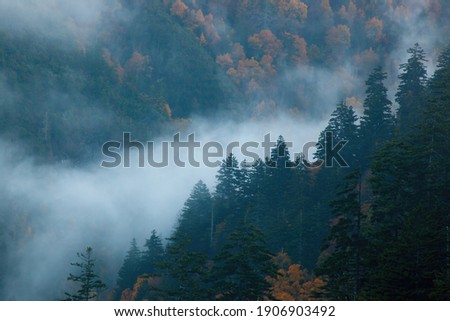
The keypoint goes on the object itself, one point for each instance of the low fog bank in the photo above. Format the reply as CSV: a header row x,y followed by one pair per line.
x,y
54,211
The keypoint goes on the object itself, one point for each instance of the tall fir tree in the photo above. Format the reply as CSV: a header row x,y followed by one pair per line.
x,y
230,202
342,262
377,122
130,270
343,126
196,219
89,282
412,89
410,256
153,255
185,271
241,268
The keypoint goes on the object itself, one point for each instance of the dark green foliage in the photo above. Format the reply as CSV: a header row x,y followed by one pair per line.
x,y
130,270
196,219
89,282
410,237
241,267
67,103
411,91
229,198
343,126
152,255
185,73
342,266
377,123
186,272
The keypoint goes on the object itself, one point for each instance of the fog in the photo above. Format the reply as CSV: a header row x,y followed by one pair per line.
x,y
55,19
61,209
65,209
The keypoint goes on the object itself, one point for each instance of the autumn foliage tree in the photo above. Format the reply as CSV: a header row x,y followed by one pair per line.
x,y
293,283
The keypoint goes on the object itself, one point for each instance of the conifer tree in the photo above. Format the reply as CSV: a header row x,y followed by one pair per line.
x,y
410,241
186,274
152,255
130,270
377,123
89,281
412,89
196,218
243,265
342,266
343,126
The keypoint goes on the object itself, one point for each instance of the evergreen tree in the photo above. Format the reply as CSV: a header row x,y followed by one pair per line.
x,y
152,255
411,91
342,266
243,265
279,174
377,123
185,271
196,219
410,257
434,136
230,202
343,126
89,281
130,270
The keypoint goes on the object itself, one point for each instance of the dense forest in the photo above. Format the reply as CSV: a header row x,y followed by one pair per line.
x,y
376,230
282,228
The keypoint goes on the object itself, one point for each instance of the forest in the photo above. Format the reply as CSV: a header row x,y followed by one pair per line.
x,y
372,74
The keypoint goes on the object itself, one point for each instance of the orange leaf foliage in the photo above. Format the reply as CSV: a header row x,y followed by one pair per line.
x,y
338,36
142,290
225,61
293,8
179,8
374,29
293,282
266,42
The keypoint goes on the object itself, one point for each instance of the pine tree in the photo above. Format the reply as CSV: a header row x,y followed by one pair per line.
x,y
186,274
278,176
377,123
411,91
342,266
196,218
241,268
130,270
152,255
89,281
410,241
434,132
229,198
343,126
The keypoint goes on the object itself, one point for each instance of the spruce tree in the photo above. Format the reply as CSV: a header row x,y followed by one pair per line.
x,y
89,282
185,271
130,270
196,218
343,126
230,202
152,255
377,122
342,266
241,268
412,89
410,241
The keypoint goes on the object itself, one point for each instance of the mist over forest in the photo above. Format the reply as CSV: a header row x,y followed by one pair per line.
x,y
75,75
